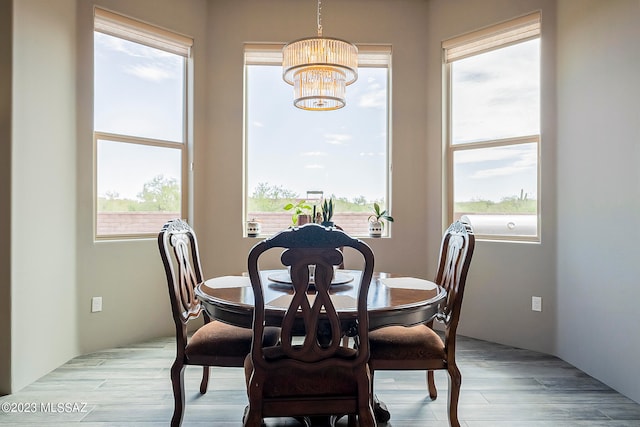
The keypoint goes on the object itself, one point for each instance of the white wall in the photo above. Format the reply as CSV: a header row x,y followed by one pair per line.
x,y
599,190
43,189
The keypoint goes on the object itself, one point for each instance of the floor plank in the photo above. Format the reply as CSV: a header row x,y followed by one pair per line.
x,y
501,386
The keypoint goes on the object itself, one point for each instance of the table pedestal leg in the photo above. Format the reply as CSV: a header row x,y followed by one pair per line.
x,y
380,410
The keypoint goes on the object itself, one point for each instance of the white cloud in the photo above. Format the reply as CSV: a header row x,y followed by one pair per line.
x,y
258,124
149,72
314,166
130,48
336,138
487,155
374,97
503,171
515,161
314,154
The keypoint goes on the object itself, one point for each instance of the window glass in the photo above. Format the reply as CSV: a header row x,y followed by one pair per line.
x,y
139,132
494,133
139,90
499,182
496,94
293,154
136,196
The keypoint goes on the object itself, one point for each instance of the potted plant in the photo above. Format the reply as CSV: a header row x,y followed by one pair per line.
x,y
327,213
376,223
300,214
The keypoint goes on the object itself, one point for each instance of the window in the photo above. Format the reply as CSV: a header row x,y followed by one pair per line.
x,y
140,77
494,129
292,155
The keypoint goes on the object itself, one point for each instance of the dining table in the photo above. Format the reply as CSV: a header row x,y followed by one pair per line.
x,y
392,300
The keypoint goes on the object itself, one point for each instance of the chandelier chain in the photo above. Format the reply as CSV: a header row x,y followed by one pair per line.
x,y
319,18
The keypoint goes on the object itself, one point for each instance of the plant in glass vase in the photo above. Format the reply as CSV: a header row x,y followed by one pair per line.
x,y
376,223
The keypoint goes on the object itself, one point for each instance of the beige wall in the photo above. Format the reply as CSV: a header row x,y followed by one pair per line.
x,y
6,39
43,189
599,188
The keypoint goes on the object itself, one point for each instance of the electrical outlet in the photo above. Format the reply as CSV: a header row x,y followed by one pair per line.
x,y
536,303
96,304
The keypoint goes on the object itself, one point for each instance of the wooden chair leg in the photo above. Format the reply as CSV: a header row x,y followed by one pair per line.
x,y
366,419
455,381
431,383
205,380
177,382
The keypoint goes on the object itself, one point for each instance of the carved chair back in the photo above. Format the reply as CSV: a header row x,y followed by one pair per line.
x,y
456,251
179,252
311,304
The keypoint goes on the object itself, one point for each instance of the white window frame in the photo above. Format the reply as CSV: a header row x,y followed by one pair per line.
x,y
369,55
485,40
140,32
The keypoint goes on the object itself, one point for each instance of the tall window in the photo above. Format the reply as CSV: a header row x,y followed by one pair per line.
x,y
139,126
494,129
298,157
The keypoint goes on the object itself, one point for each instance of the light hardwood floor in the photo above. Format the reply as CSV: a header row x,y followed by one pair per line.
x,y
501,386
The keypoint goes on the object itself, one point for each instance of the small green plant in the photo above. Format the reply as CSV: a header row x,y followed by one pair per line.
x,y
299,208
379,215
327,210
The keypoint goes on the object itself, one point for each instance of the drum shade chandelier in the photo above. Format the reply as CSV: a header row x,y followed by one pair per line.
x,y
319,69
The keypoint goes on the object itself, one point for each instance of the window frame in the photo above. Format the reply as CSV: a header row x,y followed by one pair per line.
x,y
369,56
133,30
502,35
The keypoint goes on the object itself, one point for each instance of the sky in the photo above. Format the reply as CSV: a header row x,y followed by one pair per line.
x,y
342,152
138,91
496,95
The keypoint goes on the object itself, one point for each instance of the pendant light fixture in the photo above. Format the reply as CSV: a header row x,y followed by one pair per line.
x,y
319,69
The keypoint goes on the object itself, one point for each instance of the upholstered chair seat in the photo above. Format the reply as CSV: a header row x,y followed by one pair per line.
x,y
327,381
406,343
219,344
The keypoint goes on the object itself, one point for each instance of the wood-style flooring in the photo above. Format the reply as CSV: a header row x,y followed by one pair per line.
x,y
501,386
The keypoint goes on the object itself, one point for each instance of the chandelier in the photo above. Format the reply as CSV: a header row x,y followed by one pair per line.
x,y
319,69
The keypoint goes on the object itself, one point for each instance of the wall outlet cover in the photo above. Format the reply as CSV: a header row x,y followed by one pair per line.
x,y
536,303
96,304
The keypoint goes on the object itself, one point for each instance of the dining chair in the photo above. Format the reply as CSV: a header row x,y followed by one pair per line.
x,y
309,373
420,347
212,344
341,266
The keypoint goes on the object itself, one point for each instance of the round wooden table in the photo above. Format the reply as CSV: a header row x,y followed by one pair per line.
x,y
393,300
